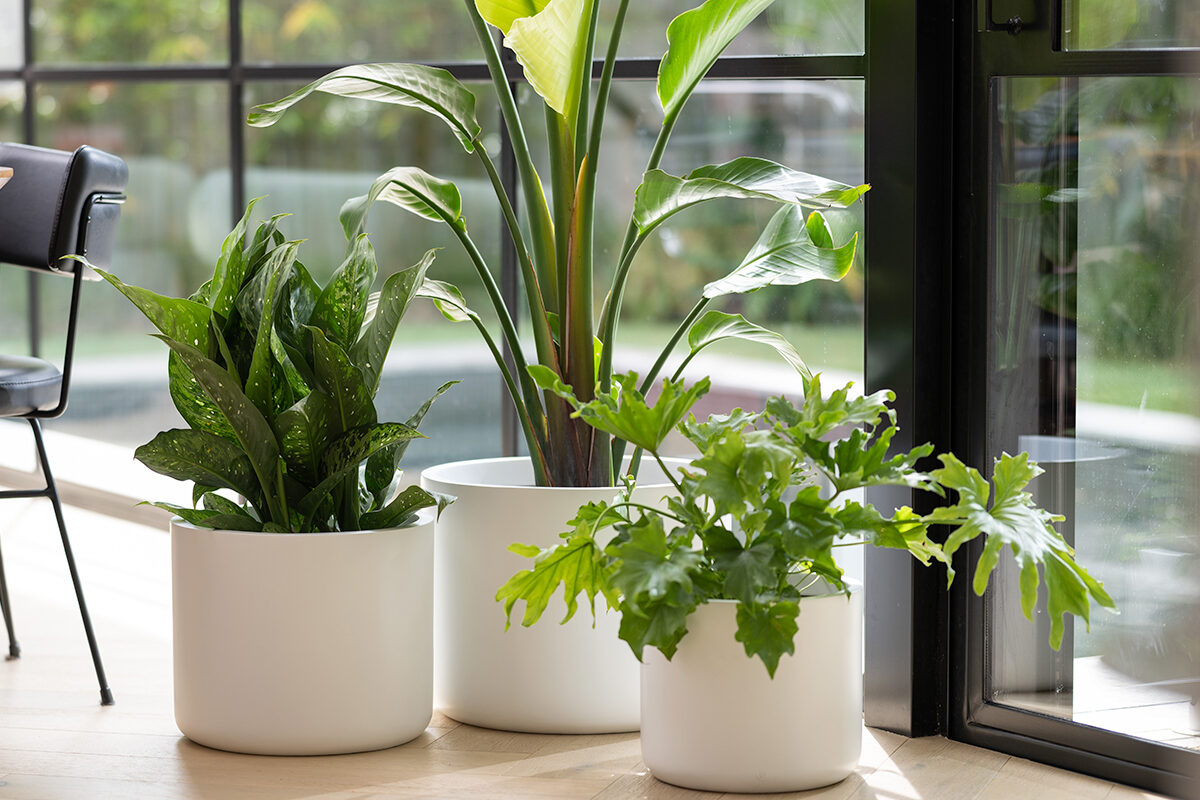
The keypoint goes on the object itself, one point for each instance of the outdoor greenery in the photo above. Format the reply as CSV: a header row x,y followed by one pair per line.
x,y
757,515
276,377
554,42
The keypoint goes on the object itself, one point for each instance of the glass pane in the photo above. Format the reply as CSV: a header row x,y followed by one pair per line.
x,y
172,136
130,31
815,126
326,150
1130,24
1093,370
823,27
12,44
362,30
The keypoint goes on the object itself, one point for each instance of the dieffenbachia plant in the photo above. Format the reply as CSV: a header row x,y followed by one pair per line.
x,y
553,40
758,514
276,378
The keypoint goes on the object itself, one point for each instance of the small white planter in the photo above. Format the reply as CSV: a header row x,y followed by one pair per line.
x,y
303,644
713,720
549,678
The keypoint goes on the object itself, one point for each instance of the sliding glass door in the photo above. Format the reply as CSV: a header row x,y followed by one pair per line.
x,y
1086,175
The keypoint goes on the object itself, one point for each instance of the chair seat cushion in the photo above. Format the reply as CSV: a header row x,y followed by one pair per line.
x,y
27,384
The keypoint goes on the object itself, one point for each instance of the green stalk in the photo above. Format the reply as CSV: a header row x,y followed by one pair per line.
x,y
542,336
540,226
585,92
562,182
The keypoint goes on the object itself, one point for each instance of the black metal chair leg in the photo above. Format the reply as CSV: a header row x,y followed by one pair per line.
x,y
14,649
106,698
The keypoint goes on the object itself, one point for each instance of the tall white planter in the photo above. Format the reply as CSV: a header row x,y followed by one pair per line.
x,y
303,644
713,720
549,678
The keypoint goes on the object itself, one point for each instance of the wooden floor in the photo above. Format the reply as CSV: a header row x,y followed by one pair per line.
x,y
58,743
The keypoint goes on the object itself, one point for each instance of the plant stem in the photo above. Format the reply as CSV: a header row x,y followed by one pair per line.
x,y
542,335
540,226
667,472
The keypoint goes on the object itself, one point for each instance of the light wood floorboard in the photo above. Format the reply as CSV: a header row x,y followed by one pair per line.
x,y
58,743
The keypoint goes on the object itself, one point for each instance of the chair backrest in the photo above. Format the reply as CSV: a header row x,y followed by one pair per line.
x,y
58,204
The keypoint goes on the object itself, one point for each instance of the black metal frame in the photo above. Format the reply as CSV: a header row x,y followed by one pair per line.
x,y
986,53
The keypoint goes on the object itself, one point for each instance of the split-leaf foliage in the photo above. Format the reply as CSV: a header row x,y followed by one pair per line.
x,y
554,41
757,515
276,378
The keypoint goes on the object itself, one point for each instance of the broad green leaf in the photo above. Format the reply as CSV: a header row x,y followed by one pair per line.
x,y
182,320
231,269
647,568
661,624
401,510
695,39
768,630
260,296
382,467
1015,521
748,570
623,411
200,457
502,13
215,520
784,255
410,188
821,414
351,402
715,326
432,90
661,195
737,467
348,451
295,308
577,565
252,430
552,47
370,351
448,300
342,305
303,432
197,410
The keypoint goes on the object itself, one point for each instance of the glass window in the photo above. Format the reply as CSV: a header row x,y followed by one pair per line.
x,y
174,137
326,150
1130,24
12,44
130,31
1093,370
316,31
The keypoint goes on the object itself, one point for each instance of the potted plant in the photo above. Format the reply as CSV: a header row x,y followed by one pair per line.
x,y
521,682
301,574
740,564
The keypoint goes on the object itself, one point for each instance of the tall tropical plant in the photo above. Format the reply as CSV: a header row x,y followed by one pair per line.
x,y
554,42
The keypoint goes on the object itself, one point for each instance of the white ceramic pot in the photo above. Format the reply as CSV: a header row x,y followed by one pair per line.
x,y
303,644
713,720
548,678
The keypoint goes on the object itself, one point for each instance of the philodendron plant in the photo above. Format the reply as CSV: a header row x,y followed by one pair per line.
x,y
553,40
276,378
758,514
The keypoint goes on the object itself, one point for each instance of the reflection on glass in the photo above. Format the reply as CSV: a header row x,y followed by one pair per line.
x,y
172,136
1130,24
356,30
12,45
131,32
1093,370
821,27
327,150
815,126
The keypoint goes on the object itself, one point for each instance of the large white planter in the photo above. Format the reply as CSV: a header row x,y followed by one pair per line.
x,y
548,678
713,720
303,644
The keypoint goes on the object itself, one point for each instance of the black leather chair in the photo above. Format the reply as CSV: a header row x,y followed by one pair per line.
x,y
56,204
